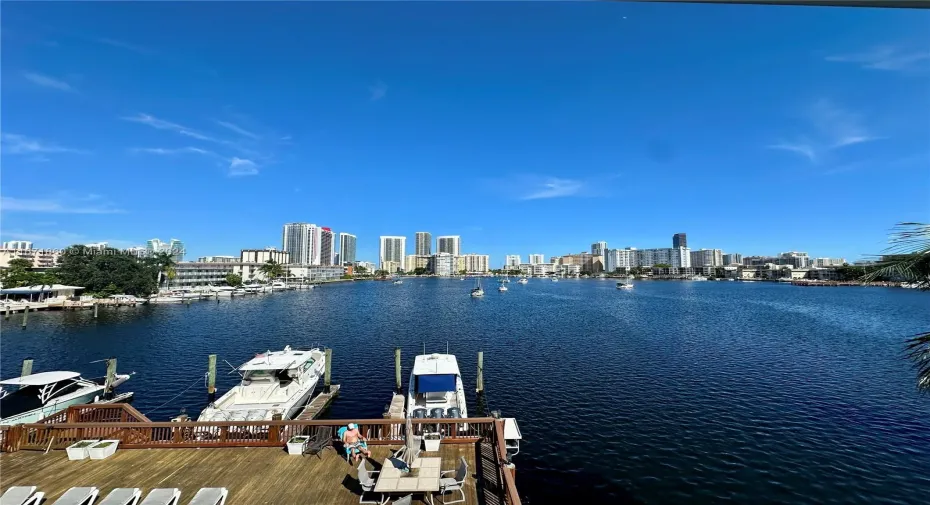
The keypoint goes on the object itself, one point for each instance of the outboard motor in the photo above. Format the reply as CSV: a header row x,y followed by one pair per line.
x,y
418,414
436,413
454,412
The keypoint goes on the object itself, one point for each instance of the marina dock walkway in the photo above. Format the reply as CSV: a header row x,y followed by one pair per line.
x,y
254,476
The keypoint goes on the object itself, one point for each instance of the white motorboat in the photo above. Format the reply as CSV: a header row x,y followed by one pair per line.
x,y
43,394
165,299
699,278
523,280
128,299
398,282
435,389
502,288
555,279
624,285
477,292
278,286
238,292
278,382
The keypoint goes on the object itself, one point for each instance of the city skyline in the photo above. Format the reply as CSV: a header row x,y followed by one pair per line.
x,y
112,130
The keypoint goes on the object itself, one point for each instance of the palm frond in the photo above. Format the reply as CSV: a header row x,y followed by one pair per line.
x,y
918,351
907,257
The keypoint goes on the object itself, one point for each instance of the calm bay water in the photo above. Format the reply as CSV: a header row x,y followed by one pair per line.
x,y
677,392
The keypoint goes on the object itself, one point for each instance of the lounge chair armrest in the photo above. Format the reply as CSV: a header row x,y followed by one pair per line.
x,y
375,472
445,472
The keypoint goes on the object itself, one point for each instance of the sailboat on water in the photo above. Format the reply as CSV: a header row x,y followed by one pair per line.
x,y
477,291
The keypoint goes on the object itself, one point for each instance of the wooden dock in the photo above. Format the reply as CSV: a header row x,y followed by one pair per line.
x,y
319,404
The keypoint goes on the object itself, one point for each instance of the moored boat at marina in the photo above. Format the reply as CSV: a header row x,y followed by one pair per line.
x,y
476,291
523,280
435,390
273,383
42,394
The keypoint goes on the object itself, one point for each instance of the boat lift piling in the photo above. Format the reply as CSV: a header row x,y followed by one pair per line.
x,y
111,376
397,369
328,370
480,382
211,378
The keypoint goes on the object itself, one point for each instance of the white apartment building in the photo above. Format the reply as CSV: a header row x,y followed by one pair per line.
x,y
599,248
829,262
538,269
477,263
536,259
17,245
619,258
302,242
423,243
677,257
40,258
414,261
443,264
706,258
347,243
513,260
795,258
451,244
217,259
570,270
732,259
367,265
393,250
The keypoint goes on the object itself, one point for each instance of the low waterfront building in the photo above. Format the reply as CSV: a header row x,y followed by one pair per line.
x,y
622,259
586,262
679,257
391,266
264,256
538,269
314,273
795,259
823,274
369,267
40,258
415,261
196,273
570,270
217,259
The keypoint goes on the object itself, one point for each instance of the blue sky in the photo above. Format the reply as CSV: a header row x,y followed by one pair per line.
x,y
523,127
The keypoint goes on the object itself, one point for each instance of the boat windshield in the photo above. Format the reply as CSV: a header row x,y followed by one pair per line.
x,y
284,376
437,383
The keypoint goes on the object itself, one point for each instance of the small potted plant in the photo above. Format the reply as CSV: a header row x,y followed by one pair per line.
x,y
431,442
102,449
78,450
296,445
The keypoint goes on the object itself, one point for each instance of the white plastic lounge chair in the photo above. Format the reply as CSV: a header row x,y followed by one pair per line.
x,y
78,496
367,480
455,483
407,500
163,496
123,496
210,496
21,495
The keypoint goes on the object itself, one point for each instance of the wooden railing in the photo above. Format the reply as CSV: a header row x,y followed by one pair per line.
x,y
510,486
97,413
149,435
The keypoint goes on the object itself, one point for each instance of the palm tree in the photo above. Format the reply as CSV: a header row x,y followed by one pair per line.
x,y
272,269
165,264
908,260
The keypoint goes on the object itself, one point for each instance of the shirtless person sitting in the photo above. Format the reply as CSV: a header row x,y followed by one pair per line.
x,y
355,442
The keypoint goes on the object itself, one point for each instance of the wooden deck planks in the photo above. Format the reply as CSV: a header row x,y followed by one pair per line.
x,y
254,476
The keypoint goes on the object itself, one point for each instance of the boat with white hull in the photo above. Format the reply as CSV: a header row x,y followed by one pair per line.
x,y
42,394
625,285
165,299
273,383
435,389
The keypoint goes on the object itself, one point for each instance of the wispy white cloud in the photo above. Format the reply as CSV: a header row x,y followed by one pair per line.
x,y
162,124
828,127
167,151
62,203
237,129
240,167
553,187
377,91
62,239
12,143
125,45
889,58
48,82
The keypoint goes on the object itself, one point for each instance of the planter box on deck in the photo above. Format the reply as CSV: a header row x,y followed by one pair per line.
x,y
78,450
102,449
431,442
296,445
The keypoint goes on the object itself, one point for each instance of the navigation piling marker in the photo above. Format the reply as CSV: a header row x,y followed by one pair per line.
x,y
397,368
480,381
211,377
329,365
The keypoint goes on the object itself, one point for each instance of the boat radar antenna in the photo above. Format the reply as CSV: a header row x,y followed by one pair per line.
x,y
234,369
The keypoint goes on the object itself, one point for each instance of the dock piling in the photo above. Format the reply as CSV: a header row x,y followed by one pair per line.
x,y
25,316
211,377
95,309
480,382
111,376
397,369
329,365
7,315
27,369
